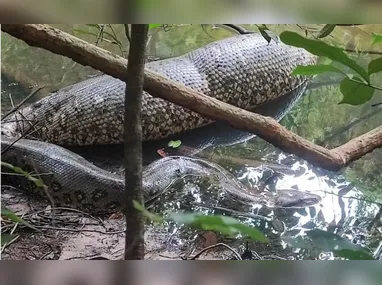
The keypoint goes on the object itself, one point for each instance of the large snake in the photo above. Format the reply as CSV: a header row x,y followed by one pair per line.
x,y
244,71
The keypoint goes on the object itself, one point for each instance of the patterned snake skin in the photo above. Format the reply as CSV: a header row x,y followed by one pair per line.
x,y
244,71
74,182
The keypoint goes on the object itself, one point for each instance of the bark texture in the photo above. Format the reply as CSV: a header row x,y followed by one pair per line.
x,y
267,128
133,142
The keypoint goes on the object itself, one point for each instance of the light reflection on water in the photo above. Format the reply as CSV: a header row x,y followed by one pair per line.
x,y
341,209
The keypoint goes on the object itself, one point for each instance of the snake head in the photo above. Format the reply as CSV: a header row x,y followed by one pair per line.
x,y
296,199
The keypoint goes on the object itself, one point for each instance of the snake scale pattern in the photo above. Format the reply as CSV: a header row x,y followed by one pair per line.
x,y
244,71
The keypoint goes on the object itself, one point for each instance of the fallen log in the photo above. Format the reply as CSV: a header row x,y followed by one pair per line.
x,y
59,42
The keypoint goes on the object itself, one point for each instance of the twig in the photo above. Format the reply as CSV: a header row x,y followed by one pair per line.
x,y
362,51
78,230
14,109
274,257
127,32
66,209
348,127
233,212
46,190
100,34
19,138
237,255
238,29
351,197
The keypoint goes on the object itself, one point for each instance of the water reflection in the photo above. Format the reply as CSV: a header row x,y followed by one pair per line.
x,y
343,208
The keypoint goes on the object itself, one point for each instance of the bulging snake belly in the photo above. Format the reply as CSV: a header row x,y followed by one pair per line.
x,y
244,71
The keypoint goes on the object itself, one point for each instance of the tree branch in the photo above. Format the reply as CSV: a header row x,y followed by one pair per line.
x,y
267,128
133,142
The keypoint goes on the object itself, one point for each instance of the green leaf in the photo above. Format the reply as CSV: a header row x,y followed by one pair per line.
x,y
225,225
36,181
174,144
377,38
326,30
315,69
353,254
152,26
321,48
16,219
147,214
375,66
338,245
355,93
7,238
325,241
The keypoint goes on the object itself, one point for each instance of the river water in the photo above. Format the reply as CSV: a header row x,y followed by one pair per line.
x,y
348,206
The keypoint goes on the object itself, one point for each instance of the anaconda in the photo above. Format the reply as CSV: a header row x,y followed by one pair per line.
x,y
244,71
73,181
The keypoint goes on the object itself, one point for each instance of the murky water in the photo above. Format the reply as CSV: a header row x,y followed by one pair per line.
x,y
348,205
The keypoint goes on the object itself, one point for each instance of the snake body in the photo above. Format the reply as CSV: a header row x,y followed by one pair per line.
x,y
244,71
75,182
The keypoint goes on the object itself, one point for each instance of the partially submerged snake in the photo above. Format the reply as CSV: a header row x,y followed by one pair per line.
x,y
244,71
75,182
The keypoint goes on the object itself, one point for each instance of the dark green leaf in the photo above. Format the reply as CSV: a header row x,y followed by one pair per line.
x,y
225,225
377,38
174,144
338,245
16,219
326,241
7,238
355,93
326,30
321,48
315,69
147,214
375,65
353,254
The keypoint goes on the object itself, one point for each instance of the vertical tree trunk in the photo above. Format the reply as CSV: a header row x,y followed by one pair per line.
x,y
134,248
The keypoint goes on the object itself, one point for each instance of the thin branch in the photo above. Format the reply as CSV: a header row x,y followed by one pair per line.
x,y
159,86
366,84
348,127
238,29
361,51
237,255
14,109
